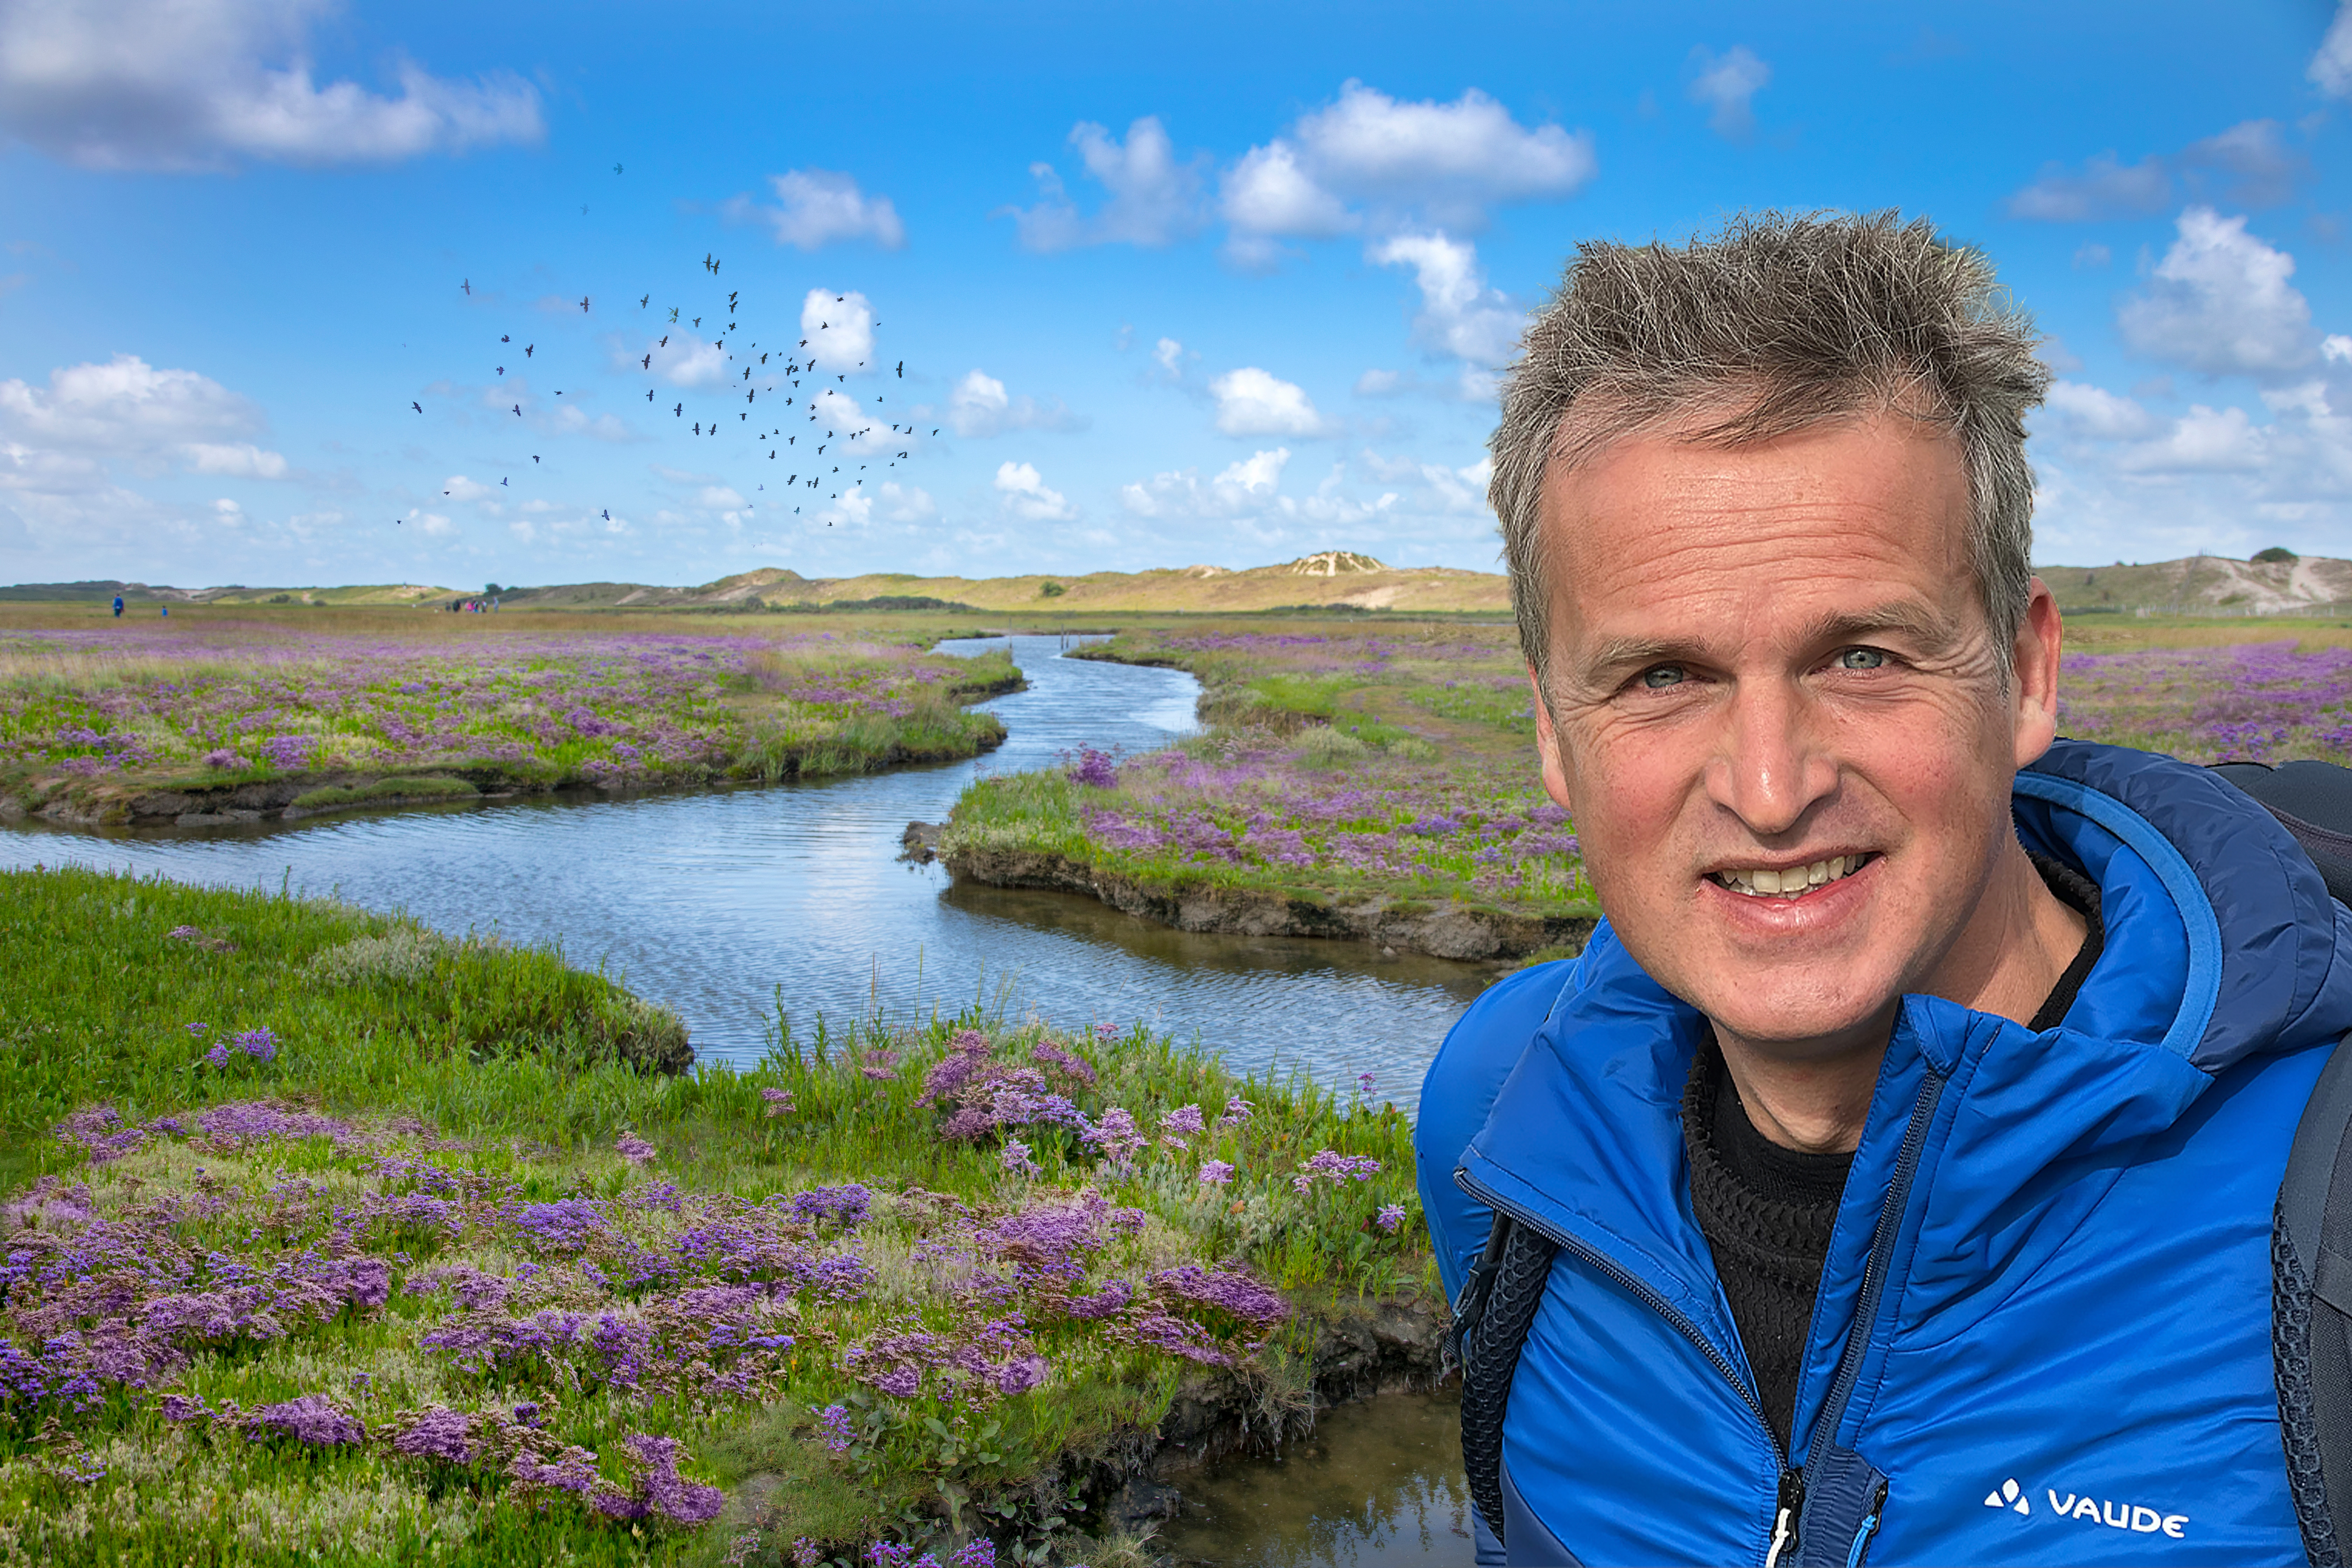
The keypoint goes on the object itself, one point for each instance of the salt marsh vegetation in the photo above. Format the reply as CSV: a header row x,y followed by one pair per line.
x,y
115,721
326,1234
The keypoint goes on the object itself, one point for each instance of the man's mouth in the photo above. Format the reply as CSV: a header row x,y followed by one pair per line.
x,y
1790,881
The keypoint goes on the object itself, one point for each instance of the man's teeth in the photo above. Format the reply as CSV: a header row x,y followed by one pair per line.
x,y
1764,883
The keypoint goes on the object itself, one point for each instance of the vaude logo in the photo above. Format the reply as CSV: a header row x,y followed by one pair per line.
x,y
2134,1517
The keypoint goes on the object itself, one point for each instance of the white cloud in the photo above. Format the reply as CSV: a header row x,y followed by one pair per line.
x,y
2204,440
1026,495
839,329
200,84
1442,490
2091,255
1244,486
721,498
1251,402
61,439
2247,165
2219,301
2094,412
240,460
125,406
2255,167
2331,67
1268,193
1460,315
684,360
2107,187
905,503
1169,355
818,206
1728,84
1378,383
980,406
1372,162
1152,198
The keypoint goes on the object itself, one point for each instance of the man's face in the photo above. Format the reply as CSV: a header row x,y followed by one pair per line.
x,y
1777,715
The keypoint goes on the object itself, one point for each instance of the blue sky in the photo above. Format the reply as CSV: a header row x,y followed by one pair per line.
x,y
1172,284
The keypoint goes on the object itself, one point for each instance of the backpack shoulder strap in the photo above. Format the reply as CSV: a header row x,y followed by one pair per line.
x,y
1490,1328
2311,1310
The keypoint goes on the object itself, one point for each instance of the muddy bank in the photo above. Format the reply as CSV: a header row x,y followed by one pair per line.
x,y
130,804
1449,930
1356,1349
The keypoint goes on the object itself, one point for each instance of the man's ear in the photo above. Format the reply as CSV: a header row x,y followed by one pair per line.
x,y
1555,773
2033,688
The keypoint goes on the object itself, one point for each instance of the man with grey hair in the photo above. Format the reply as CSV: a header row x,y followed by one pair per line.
x,y
1891,1175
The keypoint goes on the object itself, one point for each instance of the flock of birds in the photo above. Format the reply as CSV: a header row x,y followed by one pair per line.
x,y
839,425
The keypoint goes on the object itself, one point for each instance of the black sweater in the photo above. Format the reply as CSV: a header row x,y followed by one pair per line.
x,y
1767,1212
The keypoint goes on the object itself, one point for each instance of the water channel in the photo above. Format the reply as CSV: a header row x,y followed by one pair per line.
x,y
728,905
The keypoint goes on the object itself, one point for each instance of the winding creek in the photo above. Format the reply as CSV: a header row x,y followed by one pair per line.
x,y
728,905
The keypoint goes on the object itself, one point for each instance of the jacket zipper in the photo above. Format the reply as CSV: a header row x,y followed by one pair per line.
x,y
1874,1286
1790,1498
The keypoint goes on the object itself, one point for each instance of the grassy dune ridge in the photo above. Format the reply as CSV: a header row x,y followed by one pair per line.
x,y
326,1234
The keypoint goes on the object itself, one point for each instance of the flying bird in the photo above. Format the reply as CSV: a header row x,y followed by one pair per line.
x,y
679,411
608,514
665,343
902,370
616,168
504,339
503,370
528,347
468,286
518,410
649,394
649,361
418,406
643,300
534,457
584,299
502,481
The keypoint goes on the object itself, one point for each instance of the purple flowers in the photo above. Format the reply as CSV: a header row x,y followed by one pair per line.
x,y
833,1427
1179,1124
1215,1172
311,1419
844,1206
1334,1168
1014,1158
1095,769
1115,1136
655,1486
779,1102
635,1150
1390,1216
438,1434
259,1044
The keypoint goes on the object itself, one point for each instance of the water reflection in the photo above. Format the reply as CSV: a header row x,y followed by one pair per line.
x,y
726,904
1375,1485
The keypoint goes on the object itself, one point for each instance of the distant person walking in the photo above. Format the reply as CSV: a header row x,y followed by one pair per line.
x,y
117,607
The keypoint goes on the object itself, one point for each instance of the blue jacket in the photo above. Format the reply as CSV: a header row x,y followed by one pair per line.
x,y
2043,1329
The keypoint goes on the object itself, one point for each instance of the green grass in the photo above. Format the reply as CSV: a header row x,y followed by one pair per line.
x,y
512,1076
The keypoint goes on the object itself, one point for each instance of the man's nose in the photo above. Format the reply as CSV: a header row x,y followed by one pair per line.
x,y
1772,766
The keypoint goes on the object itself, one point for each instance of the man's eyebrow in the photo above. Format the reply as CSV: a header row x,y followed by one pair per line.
x,y
1932,631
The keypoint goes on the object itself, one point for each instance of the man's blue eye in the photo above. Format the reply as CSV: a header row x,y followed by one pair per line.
x,y
1861,659
1662,675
